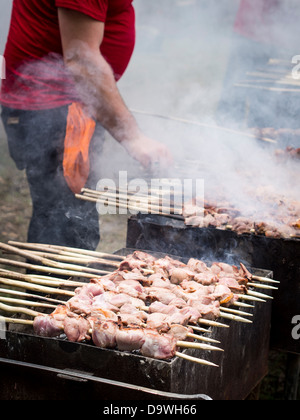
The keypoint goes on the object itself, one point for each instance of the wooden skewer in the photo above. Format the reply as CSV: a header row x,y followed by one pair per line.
x,y
230,314
235,318
178,354
265,280
18,309
35,287
274,89
187,344
194,359
79,251
180,344
190,345
49,282
36,304
212,323
259,295
128,207
250,298
51,251
296,236
27,303
48,262
282,81
183,344
158,192
75,260
46,281
204,125
82,270
29,295
147,202
269,75
16,321
69,283
199,329
262,286
44,269
28,322
243,305
234,312
123,191
201,338
153,192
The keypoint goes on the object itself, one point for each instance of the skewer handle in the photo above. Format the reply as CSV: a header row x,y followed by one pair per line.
x,y
16,321
195,359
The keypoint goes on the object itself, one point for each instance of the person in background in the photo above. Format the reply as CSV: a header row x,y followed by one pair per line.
x,y
63,61
263,30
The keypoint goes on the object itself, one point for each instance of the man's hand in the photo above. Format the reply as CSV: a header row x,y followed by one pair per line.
x,y
149,152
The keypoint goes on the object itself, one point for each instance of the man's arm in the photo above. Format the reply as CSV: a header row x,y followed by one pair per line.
x,y
81,40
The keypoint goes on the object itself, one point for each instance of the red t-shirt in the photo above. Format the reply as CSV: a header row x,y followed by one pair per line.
x,y
272,22
36,77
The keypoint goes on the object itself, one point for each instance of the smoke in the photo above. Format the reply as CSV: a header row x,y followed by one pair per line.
x,y
187,62
6,6
188,59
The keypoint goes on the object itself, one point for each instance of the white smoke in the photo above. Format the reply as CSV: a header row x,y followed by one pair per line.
x,y
178,69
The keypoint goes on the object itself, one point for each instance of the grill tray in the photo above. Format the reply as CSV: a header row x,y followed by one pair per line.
x,y
43,368
281,256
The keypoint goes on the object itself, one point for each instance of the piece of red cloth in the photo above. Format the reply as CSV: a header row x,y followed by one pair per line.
x,y
272,22
36,77
253,18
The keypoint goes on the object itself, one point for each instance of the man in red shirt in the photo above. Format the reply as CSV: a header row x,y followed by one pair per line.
x,y
63,58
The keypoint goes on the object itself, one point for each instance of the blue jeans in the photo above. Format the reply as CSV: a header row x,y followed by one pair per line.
x,y
36,144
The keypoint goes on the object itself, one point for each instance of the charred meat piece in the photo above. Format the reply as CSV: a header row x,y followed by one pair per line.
x,y
159,346
180,332
179,274
104,334
131,263
206,279
224,295
130,339
77,328
82,302
210,312
61,321
232,284
130,315
197,266
117,300
144,256
132,288
158,321
51,325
